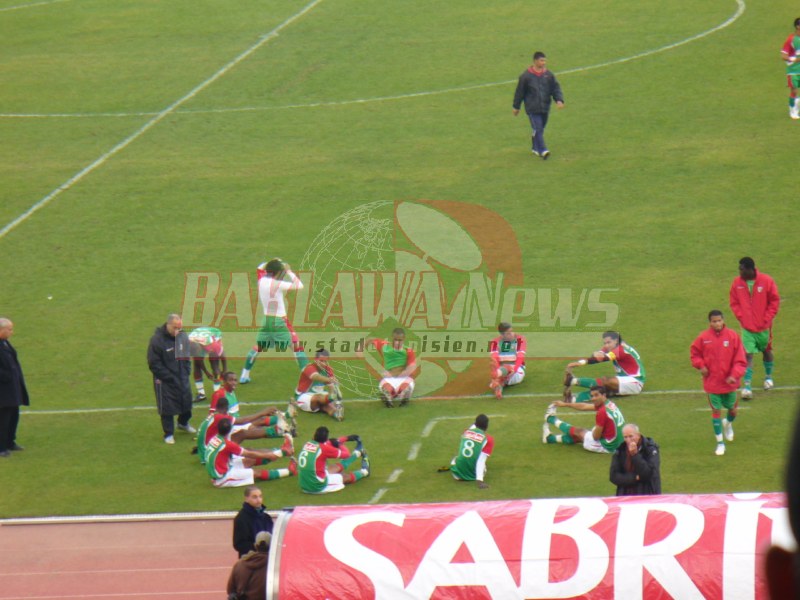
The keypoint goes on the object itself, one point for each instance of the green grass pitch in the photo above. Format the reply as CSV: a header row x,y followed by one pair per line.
x,y
185,140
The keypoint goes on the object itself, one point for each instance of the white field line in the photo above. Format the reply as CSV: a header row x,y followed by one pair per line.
x,y
155,120
554,396
378,495
394,476
739,11
31,5
412,454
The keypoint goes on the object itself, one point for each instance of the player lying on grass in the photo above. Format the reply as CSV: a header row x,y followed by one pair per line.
x,y
399,367
318,390
251,427
230,465
275,278
626,361
207,342
316,476
474,449
604,437
508,359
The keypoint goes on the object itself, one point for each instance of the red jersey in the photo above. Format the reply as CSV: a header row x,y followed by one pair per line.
x,y
310,369
722,353
213,426
508,352
221,452
755,310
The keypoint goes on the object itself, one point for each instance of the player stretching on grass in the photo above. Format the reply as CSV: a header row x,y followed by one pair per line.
x,y
207,341
474,450
316,477
311,395
755,301
228,391
399,365
718,354
508,359
606,435
627,363
230,465
275,279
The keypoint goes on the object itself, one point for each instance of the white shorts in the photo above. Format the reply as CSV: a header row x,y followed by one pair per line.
x,y
237,476
395,382
304,400
517,377
335,484
593,445
240,428
629,386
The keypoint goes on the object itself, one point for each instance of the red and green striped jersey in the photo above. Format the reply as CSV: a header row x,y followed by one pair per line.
x,y
219,453
474,441
792,48
233,402
311,472
610,418
626,361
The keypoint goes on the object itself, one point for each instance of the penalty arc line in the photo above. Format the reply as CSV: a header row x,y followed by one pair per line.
x,y
31,5
154,121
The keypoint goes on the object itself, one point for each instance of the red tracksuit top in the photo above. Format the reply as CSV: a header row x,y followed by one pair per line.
x,y
755,313
722,353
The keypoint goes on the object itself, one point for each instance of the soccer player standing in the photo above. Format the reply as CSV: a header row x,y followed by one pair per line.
x,y
508,359
790,52
474,450
275,279
755,301
719,356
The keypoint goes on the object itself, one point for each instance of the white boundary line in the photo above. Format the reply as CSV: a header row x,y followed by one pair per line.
x,y
155,120
554,396
31,5
741,6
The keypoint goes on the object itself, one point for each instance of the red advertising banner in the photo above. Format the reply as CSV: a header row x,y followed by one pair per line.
x,y
631,548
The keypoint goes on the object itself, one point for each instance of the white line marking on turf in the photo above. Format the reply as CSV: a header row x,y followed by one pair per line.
x,y
741,6
394,476
32,4
412,454
378,495
155,120
554,395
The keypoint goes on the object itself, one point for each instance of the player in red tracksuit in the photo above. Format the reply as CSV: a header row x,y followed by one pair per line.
x,y
755,301
718,353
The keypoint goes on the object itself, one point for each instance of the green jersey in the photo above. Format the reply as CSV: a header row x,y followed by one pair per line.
x,y
394,358
201,438
792,49
312,475
610,418
468,464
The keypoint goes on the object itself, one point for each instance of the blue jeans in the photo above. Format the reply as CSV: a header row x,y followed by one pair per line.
x,y
538,123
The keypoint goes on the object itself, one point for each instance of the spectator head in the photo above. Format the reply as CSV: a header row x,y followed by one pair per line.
x,y
253,496
263,540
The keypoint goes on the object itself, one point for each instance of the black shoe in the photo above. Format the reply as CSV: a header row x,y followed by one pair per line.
x,y
16,447
199,399
5,454
353,438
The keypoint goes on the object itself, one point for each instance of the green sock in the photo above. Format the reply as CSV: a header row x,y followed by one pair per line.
x,y
272,420
250,360
730,418
748,376
358,475
551,439
584,396
768,368
567,439
302,359
349,461
717,423
586,382
272,432
792,101
552,420
564,427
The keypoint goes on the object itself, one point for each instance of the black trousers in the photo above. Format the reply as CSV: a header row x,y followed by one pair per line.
x,y
9,419
168,422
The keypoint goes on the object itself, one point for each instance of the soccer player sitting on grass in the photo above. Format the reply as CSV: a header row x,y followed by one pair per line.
x,y
603,438
508,359
399,366
207,341
627,363
474,450
274,417
311,394
275,278
316,477
230,465
251,427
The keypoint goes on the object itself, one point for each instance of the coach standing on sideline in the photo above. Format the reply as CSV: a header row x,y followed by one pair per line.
x,y
168,359
537,87
13,392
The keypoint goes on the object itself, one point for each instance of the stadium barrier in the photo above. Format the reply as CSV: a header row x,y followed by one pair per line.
x,y
672,546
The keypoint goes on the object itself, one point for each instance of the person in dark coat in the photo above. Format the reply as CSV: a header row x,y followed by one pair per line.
x,y
169,360
248,577
13,392
537,88
251,520
636,464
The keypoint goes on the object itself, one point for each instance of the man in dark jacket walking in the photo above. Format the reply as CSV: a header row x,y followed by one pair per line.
x,y
636,464
538,87
13,392
251,520
169,360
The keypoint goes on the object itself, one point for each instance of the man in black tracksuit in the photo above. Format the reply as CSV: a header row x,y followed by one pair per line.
x,y
636,464
538,87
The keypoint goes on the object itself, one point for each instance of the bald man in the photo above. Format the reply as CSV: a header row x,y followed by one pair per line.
x,y
13,392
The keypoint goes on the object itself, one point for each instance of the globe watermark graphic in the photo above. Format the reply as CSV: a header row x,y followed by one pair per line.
x,y
446,272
